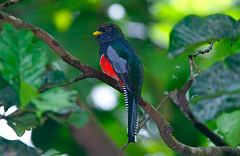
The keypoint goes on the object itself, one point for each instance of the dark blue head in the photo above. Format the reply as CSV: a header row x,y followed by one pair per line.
x,y
108,32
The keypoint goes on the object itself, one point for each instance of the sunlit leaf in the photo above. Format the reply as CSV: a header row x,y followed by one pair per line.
x,y
56,100
217,89
27,93
78,118
193,30
63,19
22,122
229,126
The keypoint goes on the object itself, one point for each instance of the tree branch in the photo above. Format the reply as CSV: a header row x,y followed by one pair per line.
x,y
165,129
179,98
192,63
145,120
63,84
8,3
204,51
92,137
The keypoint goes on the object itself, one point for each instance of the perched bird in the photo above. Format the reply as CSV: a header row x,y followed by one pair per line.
x,y
118,60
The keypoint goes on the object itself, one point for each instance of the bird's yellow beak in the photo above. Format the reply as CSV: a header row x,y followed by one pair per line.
x,y
97,33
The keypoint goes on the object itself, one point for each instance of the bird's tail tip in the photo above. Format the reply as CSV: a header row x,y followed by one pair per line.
x,y
132,139
131,103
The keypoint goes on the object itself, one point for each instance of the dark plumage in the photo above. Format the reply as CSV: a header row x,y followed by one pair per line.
x,y
118,60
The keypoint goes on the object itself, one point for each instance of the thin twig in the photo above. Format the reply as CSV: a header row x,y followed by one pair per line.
x,y
8,3
144,121
124,147
165,131
193,66
192,63
179,98
204,51
63,84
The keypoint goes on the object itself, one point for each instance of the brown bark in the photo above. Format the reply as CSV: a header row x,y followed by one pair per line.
x,y
93,139
179,98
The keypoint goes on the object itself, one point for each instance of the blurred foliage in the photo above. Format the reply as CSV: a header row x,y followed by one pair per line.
x,y
229,126
55,100
75,116
72,22
54,77
52,152
22,68
8,95
63,20
22,122
10,148
16,148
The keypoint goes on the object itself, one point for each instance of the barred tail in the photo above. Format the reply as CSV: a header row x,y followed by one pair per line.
x,y
131,103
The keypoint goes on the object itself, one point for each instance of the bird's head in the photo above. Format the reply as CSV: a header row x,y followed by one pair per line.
x,y
108,32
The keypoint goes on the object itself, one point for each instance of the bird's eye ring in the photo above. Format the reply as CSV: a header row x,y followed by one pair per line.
x,y
108,29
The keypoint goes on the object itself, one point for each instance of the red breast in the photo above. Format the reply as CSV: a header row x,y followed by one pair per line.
x,y
108,69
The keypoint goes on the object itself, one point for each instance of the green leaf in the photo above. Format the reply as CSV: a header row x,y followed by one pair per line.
x,y
27,93
54,77
8,96
229,126
217,89
78,118
17,148
21,56
22,63
8,148
56,100
22,66
20,123
193,30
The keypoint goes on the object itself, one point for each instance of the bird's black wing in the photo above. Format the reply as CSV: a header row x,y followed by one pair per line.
x,y
122,62
118,58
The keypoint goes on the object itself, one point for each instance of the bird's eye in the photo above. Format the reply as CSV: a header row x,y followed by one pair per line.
x,y
107,29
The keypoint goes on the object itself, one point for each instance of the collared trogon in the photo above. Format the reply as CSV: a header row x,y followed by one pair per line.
x,y
118,60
